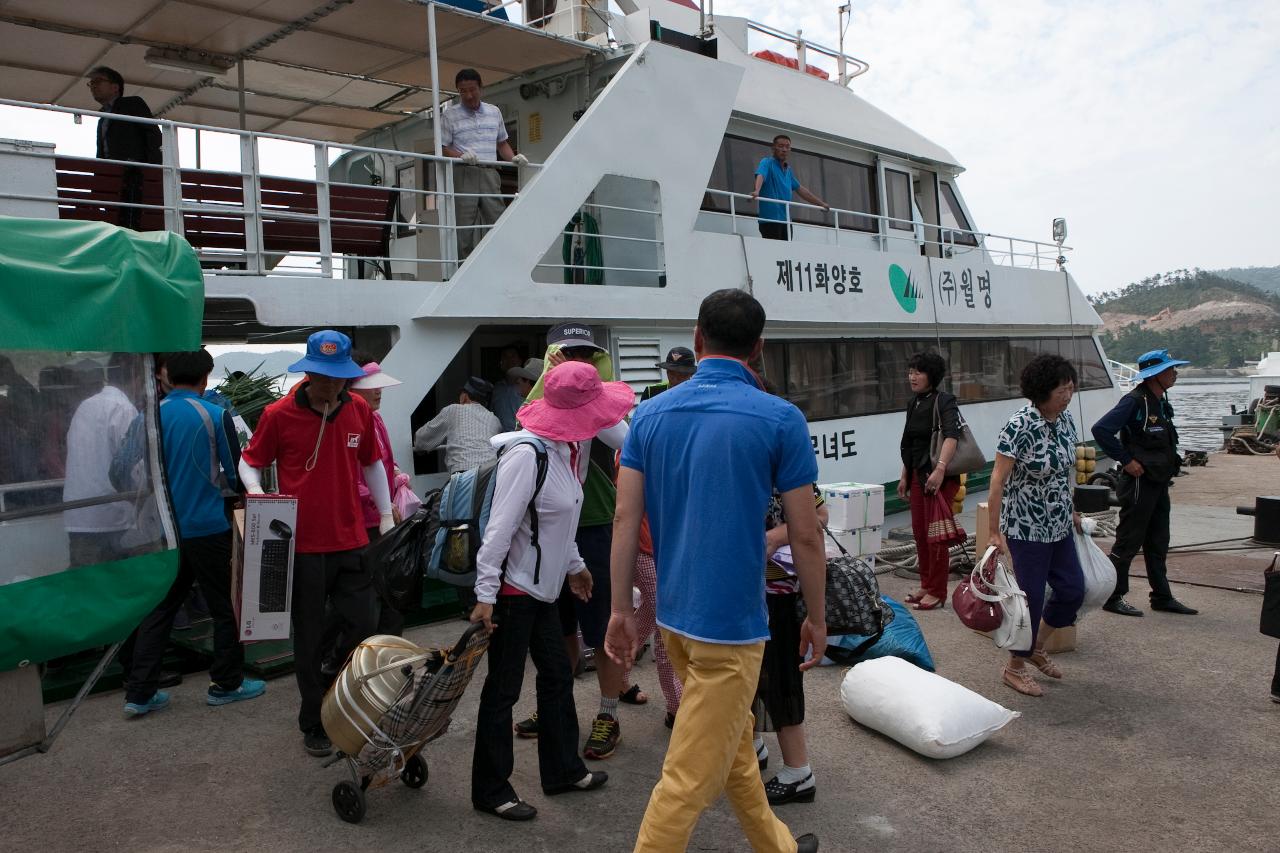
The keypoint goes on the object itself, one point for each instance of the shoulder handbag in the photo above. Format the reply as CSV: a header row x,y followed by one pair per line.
x,y
1269,624
968,457
1001,587
853,597
977,613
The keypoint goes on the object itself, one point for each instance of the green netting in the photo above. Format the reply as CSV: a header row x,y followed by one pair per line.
x,y
80,608
68,285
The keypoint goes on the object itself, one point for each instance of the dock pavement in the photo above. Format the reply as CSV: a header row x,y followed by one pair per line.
x,y
1160,737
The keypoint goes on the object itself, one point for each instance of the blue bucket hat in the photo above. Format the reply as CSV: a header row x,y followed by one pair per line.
x,y
1155,362
328,354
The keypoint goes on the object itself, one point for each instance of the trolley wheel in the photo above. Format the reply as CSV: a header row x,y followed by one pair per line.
x,y
348,802
414,774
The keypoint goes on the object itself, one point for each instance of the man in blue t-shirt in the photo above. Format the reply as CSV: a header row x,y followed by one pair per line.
x,y
702,460
776,179
200,470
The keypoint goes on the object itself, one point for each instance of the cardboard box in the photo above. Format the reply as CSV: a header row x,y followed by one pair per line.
x,y
983,524
1063,640
262,566
854,506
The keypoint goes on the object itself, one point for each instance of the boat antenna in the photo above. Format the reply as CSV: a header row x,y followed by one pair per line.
x,y
844,19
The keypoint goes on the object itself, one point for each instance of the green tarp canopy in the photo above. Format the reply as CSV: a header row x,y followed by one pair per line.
x,y
85,286
67,285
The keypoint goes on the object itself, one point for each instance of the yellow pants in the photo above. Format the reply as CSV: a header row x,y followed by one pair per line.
x,y
711,751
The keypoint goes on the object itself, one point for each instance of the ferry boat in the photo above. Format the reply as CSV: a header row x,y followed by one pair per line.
x,y
643,121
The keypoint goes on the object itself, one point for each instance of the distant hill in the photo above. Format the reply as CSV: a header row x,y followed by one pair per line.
x,y
273,363
1266,279
1206,317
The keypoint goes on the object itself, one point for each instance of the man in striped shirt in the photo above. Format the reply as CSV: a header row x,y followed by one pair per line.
x,y
463,428
474,132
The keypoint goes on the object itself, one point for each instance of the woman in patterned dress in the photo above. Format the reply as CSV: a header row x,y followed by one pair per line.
x,y
1032,512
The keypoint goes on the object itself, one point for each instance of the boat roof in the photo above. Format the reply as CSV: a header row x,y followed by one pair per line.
x,y
323,70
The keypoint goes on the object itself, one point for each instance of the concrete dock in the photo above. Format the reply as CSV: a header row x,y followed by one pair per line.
x,y
1160,737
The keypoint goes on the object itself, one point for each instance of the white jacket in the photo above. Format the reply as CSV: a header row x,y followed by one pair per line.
x,y
507,535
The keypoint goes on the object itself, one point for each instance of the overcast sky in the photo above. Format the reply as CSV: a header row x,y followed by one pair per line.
x,y
1151,126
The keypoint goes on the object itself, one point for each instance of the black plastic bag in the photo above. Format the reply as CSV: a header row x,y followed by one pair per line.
x,y
397,559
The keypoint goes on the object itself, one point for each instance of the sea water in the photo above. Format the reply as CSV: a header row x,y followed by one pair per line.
x,y
1199,405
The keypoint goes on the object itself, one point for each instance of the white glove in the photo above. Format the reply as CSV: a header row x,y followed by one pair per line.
x,y
385,522
520,160
469,157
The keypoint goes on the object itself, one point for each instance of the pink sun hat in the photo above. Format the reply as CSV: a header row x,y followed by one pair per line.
x,y
374,378
575,404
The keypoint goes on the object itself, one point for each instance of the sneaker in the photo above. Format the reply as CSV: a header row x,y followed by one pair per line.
x,y
317,743
250,688
605,734
527,728
158,702
1275,697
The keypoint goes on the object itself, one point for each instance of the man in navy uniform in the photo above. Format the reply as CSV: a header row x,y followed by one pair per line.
x,y
1139,434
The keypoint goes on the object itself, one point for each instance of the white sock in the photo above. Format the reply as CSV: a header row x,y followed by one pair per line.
x,y
609,706
789,775
762,752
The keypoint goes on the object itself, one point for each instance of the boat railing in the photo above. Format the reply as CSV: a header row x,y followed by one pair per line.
x,y
1126,377
856,228
847,67
245,219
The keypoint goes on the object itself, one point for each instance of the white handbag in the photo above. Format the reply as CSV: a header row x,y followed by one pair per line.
x,y
1014,632
1099,571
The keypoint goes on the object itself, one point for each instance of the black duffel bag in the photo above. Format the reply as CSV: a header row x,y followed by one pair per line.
x,y
853,597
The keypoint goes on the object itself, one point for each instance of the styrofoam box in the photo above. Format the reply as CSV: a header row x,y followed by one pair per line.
x,y
860,543
853,506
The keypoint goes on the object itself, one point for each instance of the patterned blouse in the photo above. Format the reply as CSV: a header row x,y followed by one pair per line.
x,y
778,580
1037,502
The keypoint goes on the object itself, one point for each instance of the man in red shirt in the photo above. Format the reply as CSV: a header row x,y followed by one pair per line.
x,y
319,436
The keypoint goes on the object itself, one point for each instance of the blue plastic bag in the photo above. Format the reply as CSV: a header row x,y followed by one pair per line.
x,y
902,638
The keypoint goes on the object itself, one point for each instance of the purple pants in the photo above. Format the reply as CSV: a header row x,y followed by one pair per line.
x,y
1055,563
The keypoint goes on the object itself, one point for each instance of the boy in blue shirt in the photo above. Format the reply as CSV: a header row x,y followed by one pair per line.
x,y
200,469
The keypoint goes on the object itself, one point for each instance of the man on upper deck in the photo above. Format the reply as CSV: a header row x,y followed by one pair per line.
x,y
776,179
124,140
474,131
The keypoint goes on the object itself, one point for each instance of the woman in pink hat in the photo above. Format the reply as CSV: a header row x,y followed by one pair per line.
x,y
369,387
518,580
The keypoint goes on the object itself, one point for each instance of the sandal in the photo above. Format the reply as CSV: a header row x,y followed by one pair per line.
x,y
913,597
633,696
1042,662
1021,681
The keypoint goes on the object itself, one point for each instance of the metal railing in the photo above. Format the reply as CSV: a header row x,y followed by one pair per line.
x,y
1126,377
847,67
885,230
252,221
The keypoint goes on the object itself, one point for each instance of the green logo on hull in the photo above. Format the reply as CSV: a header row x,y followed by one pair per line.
x,y
904,288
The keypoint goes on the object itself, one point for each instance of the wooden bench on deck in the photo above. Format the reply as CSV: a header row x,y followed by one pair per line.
x,y
88,186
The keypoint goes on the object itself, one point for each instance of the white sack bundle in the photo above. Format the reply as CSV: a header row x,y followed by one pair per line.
x,y
920,710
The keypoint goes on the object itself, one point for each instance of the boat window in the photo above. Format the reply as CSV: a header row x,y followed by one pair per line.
x,y
808,169
614,238
897,192
79,454
849,186
954,223
855,385
846,378
840,183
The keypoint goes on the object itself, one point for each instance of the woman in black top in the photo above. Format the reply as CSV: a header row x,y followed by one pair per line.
x,y
921,477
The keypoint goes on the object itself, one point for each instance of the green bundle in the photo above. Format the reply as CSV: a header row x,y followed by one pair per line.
x,y
251,392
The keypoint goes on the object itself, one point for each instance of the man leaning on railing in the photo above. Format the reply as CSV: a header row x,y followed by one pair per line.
x,y
472,131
